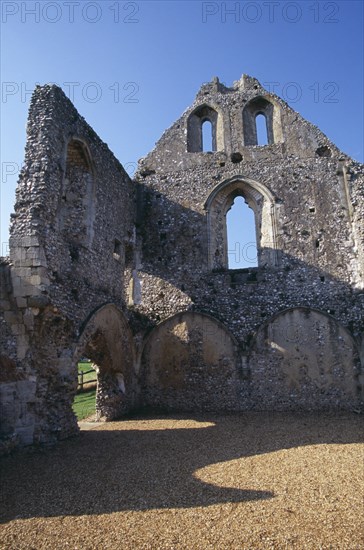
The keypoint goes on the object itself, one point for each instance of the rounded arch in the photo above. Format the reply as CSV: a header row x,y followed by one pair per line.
x,y
196,119
261,200
107,340
270,109
304,358
190,361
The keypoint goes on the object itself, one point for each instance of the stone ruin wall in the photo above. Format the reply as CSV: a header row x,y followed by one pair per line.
x,y
308,211
134,275
70,241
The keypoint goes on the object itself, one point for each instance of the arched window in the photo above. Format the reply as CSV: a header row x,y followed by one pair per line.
x,y
207,137
241,236
252,238
204,130
261,122
77,201
261,129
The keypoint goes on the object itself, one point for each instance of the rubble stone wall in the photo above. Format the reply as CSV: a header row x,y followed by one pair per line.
x,y
307,198
70,241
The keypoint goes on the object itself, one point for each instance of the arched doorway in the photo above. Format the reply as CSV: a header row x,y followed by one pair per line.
x,y
107,341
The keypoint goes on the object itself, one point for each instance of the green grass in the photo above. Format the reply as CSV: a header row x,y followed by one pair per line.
x,y
84,367
84,404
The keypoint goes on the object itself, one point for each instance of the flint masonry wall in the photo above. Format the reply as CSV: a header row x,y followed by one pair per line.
x,y
68,217
135,275
305,196
70,233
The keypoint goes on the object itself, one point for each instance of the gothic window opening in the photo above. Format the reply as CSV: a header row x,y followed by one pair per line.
x,y
207,136
241,226
204,130
261,129
241,236
262,122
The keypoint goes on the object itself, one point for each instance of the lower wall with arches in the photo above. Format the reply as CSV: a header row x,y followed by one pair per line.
x,y
300,359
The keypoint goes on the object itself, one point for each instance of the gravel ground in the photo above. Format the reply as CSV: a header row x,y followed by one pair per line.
x,y
246,481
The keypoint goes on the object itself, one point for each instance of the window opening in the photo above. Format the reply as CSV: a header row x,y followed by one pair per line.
x,y
207,144
262,133
77,206
241,236
204,131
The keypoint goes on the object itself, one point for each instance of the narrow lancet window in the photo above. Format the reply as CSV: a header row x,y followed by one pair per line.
x,y
207,137
262,133
204,131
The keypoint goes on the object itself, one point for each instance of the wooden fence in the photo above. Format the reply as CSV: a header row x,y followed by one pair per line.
x,y
82,382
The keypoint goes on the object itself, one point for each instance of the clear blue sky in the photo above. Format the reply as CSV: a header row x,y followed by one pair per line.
x,y
136,66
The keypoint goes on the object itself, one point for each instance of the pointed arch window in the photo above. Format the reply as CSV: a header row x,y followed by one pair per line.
x,y
255,238
261,122
204,130
261,129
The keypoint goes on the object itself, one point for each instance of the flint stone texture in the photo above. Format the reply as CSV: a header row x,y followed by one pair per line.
x,y
134,274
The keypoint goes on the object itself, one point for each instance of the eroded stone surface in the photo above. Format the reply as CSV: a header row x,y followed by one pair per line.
x,y
134,274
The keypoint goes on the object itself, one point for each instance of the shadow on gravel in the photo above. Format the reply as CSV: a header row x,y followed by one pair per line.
x,y
124,466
